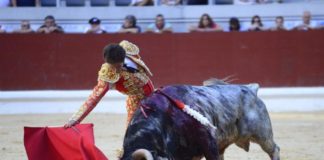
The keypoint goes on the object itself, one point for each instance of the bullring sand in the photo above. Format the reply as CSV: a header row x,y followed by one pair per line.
x,y
299,135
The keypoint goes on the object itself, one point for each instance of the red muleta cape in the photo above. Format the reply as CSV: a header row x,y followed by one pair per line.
x,y
58,143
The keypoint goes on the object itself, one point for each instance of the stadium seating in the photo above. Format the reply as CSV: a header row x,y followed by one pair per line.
x,y
197,2
48,3
98,3
223,1
75,3
25,3
122,2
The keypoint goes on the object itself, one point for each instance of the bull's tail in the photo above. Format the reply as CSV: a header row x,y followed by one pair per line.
x,y
216,81
254,87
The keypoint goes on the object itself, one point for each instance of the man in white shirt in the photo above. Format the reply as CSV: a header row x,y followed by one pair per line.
x,y
307,24
160,26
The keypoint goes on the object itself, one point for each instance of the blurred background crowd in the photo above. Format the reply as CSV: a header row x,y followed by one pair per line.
x,y
160,21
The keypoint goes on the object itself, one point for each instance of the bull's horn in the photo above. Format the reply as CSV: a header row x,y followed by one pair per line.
x,y
141,154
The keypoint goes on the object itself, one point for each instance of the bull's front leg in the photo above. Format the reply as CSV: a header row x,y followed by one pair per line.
x,y
208,144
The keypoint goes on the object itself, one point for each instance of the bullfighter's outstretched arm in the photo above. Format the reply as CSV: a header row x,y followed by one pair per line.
x,y
107,76
98,92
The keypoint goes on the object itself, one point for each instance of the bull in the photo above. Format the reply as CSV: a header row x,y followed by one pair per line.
x,y
159,130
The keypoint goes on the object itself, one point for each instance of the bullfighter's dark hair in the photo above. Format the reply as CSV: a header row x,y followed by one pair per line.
x,y
114,53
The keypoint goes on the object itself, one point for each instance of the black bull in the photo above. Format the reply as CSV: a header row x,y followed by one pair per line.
x,y
160,130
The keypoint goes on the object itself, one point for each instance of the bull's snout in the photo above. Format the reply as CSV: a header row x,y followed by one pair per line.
x,y
142,154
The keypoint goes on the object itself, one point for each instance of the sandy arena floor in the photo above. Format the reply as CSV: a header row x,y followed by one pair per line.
x,y
299,135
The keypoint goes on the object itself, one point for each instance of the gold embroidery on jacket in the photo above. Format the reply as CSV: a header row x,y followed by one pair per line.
x,y
134,82
108,74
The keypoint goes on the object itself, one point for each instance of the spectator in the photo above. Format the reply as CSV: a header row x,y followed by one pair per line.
x,y
142,3
206,24
24,27
262,1
95,26
4,3
251,1
170,2
244,1
256,24
307,24
234,24
25,3
159,26
279,24
2,30
129,25
50,26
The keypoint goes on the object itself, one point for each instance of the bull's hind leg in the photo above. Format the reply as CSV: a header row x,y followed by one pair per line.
x,y
262,130
270,147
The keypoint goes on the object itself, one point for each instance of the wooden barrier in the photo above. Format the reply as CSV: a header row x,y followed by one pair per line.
x,y
71,61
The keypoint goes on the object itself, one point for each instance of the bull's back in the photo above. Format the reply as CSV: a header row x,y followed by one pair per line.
x,y
221,104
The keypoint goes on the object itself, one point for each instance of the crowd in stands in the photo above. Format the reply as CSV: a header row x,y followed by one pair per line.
x,y
52,3
205,24
49,26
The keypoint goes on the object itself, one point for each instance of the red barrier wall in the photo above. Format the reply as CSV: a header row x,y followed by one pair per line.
x,y
71,61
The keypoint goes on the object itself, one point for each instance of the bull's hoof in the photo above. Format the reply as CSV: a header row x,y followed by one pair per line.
x,y
276,154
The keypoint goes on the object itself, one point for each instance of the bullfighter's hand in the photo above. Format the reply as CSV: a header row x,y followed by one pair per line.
x,y
70,124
